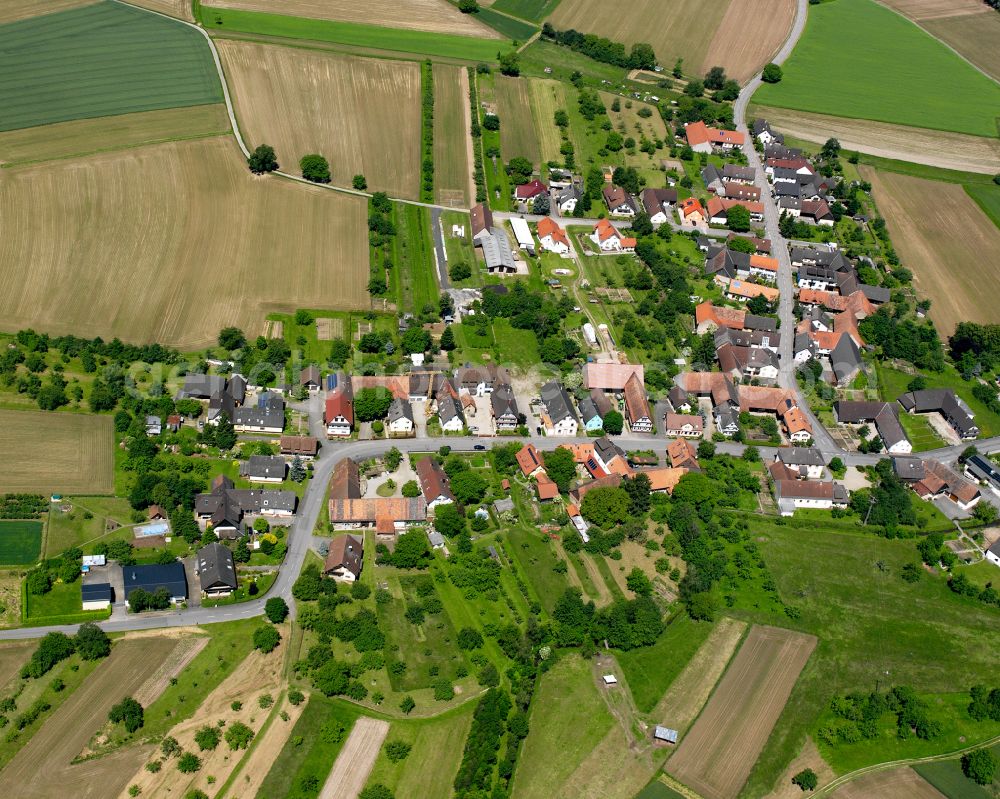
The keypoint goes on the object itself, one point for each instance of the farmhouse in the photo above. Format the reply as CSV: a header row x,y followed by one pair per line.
x,y
609,239
216,570
982,469
683,426
481,380
792,495
225,508
619,201
345,558
703,139
945,402
552,237
154,576
887,425
637,413
96,596
719,208
530,190
264,469
348,510
611,376
940,481
267,416
845,360
338,415
806,462
482,222
434,483
558,417
762,132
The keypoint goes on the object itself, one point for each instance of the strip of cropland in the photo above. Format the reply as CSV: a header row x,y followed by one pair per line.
x,y
948,260
736,722
531,10
13,10
900,783
363,114
187,241
433,16
858,59
46,452
101,60
43,769
675,28
517,129
452,169
425,43
750,33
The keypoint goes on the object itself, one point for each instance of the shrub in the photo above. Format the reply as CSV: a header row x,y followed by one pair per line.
x,y
315,168
129,712
806,780
207,737
266,639
397,750
276,609
188,763
238,736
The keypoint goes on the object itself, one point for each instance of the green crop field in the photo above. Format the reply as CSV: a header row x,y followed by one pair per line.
x,y
20,542
858,59
101,60
533,10
467,48
511,28
947,777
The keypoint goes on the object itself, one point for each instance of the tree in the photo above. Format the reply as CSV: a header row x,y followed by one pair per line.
x,y
613,423
738,219
266,639
831,150
771,74
468,487
129,712
460,270
415,339
561,118
297,471
276,609
980,766
448,520
188,763
359,182
542,205
806,780
715,78
706,449
510,63
225,434
315,168
378,790
340,352
560,466
397,750
371,404
238,736
468,6
605,507
447,342
469,638
411,550
638,582
741,244
411,489
91,642
638,489
262,160
519,169
407,704
985,513
207,737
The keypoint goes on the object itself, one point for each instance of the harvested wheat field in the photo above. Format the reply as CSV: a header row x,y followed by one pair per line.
x,y
257,675
42,768
517,128
452,142
688,694
750,33
902,783
361,113
436,16
89,136
170,243
917,145
181,9
945,256
72,453
13,10
355,761
675,28
254,769
920,10
737,721
975,36
547,97
12,657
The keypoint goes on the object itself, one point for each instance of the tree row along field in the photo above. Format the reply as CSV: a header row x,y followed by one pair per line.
x,y
362,114
101,60
68,452
858,59
189,241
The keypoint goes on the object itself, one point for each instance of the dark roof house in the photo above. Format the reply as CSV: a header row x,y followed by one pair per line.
x,y
150,577
216,569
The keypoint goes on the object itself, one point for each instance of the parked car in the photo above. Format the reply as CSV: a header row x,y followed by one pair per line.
x,y
479,447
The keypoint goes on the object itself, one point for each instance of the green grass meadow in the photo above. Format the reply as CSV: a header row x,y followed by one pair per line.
x,y
513,29
860,60
20,542
467,48
101,60
532,10
947,777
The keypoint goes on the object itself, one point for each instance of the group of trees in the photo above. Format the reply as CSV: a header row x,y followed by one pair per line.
x,y
65,568
141,600
381,232
90,642
427,130
887,504
129,713
862,713
903,338
599,48
625,624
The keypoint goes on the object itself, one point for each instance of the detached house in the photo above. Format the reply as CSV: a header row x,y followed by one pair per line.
x,y
806,462
609,239
434,483
216,570
264,469
619,201
450,414
399,418
762,132
658,203
552,237
503,406
559,418
640,418
529,191
338,415
529,461
679,425
703,139
691,213
567,199
345,558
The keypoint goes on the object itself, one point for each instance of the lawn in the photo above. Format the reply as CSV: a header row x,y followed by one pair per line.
x,y
460,250
872,625
568,720
858,59
61,605
533,10
519,347
101,60
918,429
892,383
446,45
307,754
413,274
534,556
20,542
650,670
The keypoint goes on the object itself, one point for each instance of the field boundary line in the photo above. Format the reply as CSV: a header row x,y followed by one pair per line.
x,y
268,722
891,764
679,786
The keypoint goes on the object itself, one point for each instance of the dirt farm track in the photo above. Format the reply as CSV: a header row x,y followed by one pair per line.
x,y
171,243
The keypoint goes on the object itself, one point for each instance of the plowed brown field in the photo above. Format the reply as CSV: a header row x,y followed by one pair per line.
x,y
170,243
361,113
749,34
718,753
903,783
